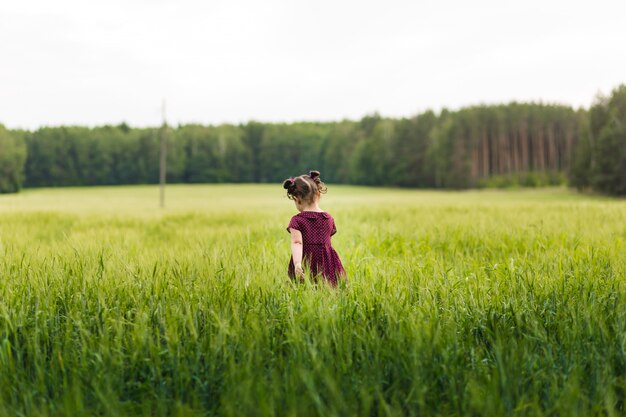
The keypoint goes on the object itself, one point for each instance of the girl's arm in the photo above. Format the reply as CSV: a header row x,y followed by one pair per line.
x,y
296,250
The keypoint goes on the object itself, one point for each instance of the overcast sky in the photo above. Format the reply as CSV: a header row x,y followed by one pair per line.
x,y
107,61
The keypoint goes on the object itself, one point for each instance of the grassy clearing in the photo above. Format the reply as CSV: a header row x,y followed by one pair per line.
x,y
459,303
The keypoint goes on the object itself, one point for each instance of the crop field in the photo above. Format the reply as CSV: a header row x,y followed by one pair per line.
x,y
488,303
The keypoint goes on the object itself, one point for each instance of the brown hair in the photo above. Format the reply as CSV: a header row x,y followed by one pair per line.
x,y
305,187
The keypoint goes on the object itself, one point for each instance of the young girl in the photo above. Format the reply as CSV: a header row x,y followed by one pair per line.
x,y
311,231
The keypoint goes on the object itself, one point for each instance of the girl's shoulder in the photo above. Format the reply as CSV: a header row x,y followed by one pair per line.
x,y
314,215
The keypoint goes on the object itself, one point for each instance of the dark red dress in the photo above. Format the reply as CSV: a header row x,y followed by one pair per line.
x,y
317,253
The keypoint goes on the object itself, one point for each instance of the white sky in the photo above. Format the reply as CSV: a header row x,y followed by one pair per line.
x,y
92,62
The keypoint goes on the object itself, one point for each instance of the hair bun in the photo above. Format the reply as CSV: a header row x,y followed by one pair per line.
x,y
288,183
314,174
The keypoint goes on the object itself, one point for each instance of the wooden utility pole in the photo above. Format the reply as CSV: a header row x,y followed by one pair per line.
x,y
163,158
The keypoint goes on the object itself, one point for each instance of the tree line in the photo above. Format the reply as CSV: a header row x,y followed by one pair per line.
x,y
12,159
496,145
600,158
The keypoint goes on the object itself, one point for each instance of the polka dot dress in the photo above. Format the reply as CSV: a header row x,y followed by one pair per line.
x,y
317,252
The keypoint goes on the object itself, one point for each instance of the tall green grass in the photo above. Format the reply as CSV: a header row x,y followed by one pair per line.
x,y
471,303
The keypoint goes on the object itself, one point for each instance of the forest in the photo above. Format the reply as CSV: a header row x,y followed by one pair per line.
x,y
525,144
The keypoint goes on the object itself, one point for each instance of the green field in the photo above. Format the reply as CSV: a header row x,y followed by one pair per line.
x,y
459,303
